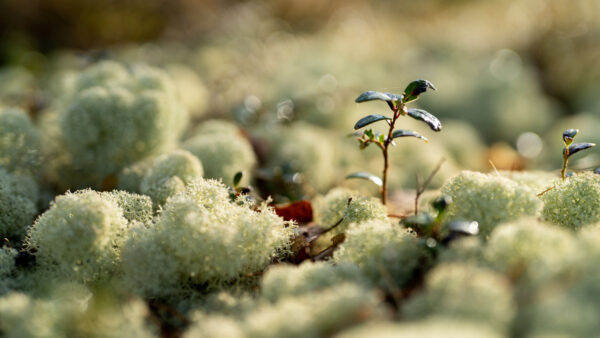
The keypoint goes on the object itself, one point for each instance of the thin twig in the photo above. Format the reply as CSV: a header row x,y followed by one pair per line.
x,y
337,223
421,188
545,191
493,166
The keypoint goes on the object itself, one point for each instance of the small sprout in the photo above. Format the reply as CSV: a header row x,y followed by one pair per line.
x,y
570,149
366,176
416,88
396,103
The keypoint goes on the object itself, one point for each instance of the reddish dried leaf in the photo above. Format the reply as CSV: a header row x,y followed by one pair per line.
x,y
300,212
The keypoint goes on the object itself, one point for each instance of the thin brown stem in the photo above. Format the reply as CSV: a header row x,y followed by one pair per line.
x,y
563,171
386,159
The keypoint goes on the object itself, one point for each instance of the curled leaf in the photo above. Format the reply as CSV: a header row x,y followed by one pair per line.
x,y
366,176
577,147
365,121
569,135
422,115
416,88
408,133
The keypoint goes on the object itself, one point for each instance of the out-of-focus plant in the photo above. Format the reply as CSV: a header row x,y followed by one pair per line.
x,y
570,149
397,103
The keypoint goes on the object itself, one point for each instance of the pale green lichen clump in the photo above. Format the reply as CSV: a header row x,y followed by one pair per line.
x,y
572,310
530,252
67,314
308,150
214,326
222,151
314,314
462,291
130,178
288,280
574,202
169,174
19,142
117,116
332,207
463,250
18,198
207,239
488,199
388,255
430,328
537,180
80,235
7,268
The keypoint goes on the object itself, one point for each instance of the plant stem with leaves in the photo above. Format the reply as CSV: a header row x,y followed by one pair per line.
x,y
397,104
568,150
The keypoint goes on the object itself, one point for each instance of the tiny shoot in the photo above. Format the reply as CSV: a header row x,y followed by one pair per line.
x,y
570,149
397,104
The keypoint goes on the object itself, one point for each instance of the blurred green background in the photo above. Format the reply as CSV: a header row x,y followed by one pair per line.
x,y
511,75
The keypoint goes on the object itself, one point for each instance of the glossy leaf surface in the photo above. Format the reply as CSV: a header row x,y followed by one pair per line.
x,y
422,115
416,88
408,133
365,121
577,147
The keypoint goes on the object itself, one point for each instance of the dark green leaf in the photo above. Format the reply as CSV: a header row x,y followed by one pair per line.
x,y
366,176
237,178
568,135
408,133
577,147
391,99
373,95
426,117
365,121
416,88
597,170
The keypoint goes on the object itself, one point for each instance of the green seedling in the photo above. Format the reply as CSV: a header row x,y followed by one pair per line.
x,y
434,230
570,148
397,104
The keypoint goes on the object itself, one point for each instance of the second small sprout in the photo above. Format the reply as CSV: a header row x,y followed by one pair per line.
x,y
570,149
